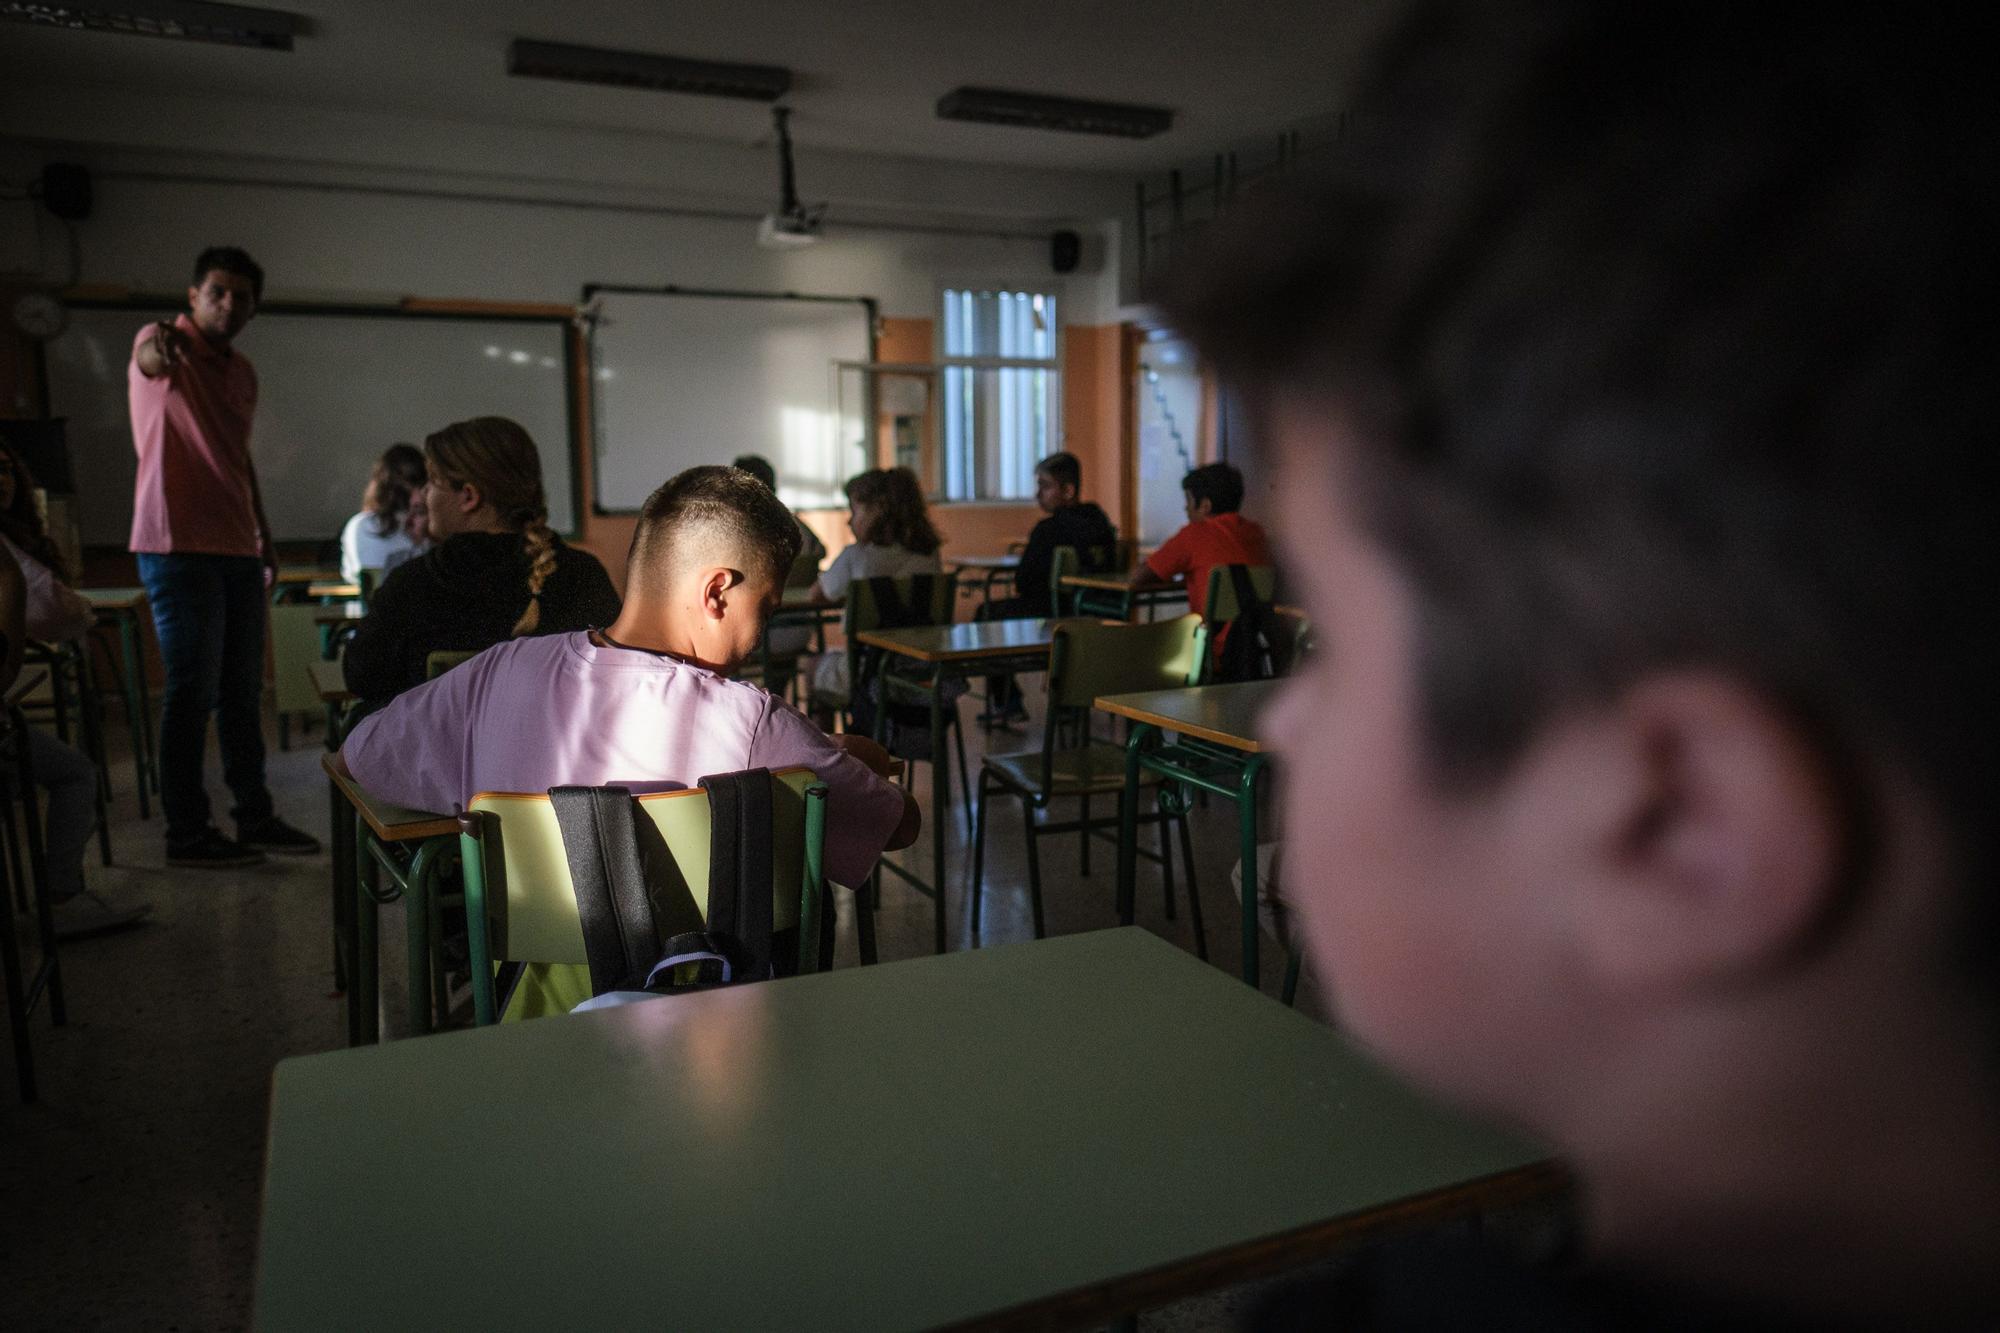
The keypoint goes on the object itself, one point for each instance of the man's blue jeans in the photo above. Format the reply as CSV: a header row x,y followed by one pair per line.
x,y
209,613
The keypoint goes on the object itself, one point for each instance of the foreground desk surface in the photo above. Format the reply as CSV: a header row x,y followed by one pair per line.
x,y
1049,1131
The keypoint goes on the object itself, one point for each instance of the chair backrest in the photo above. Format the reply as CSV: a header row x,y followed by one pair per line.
x,y
922,599
1062,564
1089,658
366,581
531,905
1221,607
444,659
295,641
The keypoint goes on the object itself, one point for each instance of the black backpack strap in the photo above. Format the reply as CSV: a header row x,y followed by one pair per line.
x,y
740,863
621,940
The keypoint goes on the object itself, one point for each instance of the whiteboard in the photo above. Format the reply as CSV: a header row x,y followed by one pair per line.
x,y
683,378
335,388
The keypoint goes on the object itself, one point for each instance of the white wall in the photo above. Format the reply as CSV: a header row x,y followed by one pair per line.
x,y
371,204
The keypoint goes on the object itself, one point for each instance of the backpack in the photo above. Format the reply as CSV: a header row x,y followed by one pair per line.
x,y
1246,652
628,957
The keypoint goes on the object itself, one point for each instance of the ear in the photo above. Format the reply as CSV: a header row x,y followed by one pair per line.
x,y
469,497
1204,508
1714,834
194,293
715,585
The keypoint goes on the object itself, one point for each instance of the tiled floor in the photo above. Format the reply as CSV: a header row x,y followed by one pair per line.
x,y
129,1193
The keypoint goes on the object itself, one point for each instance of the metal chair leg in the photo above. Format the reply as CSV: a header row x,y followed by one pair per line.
x,y
1034,861
1193,889
964,783
979,854
864,926
1166,865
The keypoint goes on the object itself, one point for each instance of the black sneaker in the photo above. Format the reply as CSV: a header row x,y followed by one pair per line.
x,y
272,834
212,851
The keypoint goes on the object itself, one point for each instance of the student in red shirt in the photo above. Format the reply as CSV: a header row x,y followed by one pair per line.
x,y
1215,535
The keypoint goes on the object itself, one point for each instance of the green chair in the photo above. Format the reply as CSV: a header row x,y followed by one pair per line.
x,y
444,659
1089,659
520,903
1222,609
295,644
925,599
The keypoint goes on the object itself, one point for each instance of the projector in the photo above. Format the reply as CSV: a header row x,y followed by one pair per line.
x,y
787,231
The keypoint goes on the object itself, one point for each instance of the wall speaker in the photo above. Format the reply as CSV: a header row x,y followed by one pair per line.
x,y
1065,250
66,190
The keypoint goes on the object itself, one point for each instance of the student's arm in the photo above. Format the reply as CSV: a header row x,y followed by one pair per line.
x,y
830,588
866,813
1163,566
414,752
267,546
1031,579
882,765
374,663
13,624
162,351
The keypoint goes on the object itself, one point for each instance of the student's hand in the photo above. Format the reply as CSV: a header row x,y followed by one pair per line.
x,y
267,550
868,752
169,344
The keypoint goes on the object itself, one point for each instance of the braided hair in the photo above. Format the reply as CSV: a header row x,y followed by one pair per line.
x,y
500,458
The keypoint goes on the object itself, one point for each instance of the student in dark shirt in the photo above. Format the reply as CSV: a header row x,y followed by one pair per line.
x,y
1071,521
1627,385
495,570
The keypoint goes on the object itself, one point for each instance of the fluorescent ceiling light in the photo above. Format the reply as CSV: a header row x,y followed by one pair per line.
x,y
994,106
188,20
638,69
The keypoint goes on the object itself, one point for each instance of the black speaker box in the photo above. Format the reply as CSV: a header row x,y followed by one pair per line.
x,y
66,190
1065,250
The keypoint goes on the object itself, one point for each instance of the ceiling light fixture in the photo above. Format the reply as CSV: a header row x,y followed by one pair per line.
x,y
637,69
187,20
994,106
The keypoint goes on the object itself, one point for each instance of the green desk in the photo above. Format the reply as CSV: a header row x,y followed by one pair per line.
x,y
1218,751
994,646
118,608
365,830
993,568
292,581
1114,594
1054,1133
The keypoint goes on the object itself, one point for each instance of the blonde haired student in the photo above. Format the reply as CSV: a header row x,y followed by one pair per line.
x,y
496,572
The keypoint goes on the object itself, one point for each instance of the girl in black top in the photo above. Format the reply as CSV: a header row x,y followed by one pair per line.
x,y
494,572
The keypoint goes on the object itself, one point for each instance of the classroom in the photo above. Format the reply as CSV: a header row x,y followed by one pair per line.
x,y
871,665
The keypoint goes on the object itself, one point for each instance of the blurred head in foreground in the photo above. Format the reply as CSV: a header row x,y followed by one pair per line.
x,y
1626,383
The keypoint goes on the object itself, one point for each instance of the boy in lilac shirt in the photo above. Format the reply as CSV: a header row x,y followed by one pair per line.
x,y
646,702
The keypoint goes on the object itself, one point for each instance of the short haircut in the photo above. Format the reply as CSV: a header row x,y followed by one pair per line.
x,y
1659,333
716,514
229,259
1218,483
1063,469
759,467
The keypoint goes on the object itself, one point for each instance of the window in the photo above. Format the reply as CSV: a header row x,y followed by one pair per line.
x,y
1001,389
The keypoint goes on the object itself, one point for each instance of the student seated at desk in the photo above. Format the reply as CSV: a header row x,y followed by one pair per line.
x,y
1215,535
1069,521
1629,392
391,525
893,538
497,571
646,702
54,613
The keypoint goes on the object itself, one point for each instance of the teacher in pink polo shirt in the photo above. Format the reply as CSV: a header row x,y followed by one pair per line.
x,y
205,555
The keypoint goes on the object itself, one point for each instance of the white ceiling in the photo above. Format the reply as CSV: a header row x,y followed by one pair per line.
x,y
867,73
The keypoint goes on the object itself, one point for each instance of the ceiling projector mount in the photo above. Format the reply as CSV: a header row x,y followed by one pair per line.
x,y
793,224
